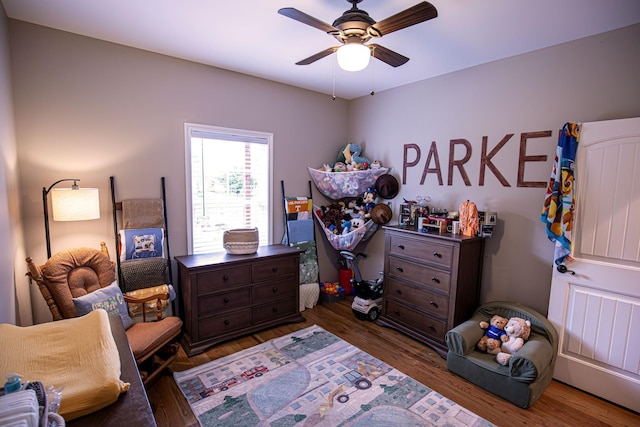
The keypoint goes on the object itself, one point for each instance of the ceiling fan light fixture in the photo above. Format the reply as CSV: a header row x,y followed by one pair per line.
x,y
353,56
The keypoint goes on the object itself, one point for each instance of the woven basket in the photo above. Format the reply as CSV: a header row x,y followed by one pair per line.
x,y
241,241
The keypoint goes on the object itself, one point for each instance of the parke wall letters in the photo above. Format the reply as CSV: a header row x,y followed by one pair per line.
x,y
432,162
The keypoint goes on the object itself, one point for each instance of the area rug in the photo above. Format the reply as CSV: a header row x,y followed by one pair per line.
x,y
313,378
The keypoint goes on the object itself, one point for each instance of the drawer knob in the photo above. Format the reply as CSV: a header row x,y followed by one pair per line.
x,y
226,300
401,247
398,291
226,322
400,269
275,289
431,328
433,304
437,255
225,278
274,269
396,312
274,309
434,279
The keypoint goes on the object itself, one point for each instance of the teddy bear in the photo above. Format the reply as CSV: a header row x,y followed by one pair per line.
x,y
518,331
332,217
494,335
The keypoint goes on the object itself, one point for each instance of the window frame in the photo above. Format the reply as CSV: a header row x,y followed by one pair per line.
x,y
232,134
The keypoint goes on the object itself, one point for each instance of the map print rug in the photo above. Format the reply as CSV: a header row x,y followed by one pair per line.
x,y
313,378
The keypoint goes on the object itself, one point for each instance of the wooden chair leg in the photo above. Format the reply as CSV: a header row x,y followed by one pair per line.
x,y
158,364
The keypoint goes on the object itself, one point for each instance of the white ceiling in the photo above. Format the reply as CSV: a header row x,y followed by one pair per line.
x,y
250,37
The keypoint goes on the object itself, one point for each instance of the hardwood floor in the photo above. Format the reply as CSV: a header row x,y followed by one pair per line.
x,y
560,405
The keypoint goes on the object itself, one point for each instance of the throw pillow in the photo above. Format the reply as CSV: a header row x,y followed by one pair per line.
x,y
141,243
108,298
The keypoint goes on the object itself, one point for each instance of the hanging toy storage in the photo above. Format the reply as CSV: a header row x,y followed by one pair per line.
x,y
349,240
340,185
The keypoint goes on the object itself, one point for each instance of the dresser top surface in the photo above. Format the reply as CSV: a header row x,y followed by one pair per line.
x,y
409,230
222,257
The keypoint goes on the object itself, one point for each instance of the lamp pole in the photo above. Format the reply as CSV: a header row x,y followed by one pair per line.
x,y
45,193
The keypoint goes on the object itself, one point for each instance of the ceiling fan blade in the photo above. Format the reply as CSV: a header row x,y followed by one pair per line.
x,y
293,13
414,15
387,55
319,55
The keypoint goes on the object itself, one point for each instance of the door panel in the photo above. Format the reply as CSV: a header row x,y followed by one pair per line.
x,y
597,310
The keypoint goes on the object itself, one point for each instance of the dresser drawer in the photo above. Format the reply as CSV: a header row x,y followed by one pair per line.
x,y
423,250
215,303
274,290
266,312
217,280
419,297
264,271
224,324
417,321
419,273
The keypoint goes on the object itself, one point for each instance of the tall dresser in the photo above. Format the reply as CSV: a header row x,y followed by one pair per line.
x,y
431,282
226,296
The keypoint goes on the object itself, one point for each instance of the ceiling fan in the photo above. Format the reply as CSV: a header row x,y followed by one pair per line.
x,y
355,27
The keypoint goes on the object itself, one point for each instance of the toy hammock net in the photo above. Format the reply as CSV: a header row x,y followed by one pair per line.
x,y
349,241
342,185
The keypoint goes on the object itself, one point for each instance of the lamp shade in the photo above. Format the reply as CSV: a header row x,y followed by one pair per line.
x,y
353,56
75,204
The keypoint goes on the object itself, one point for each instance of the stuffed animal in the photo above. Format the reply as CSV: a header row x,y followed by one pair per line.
x,y
352,153
346,226
518,331
494,335
357,221
339,167
369,201
356,156
332,216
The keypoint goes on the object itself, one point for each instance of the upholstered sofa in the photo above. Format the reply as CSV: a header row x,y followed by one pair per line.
x,y
528,372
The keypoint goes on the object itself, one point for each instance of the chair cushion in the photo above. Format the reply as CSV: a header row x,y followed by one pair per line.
x,y
145,338
109,299
74,273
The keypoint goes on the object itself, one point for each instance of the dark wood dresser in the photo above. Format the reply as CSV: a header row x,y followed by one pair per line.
x,y
431,282
226,296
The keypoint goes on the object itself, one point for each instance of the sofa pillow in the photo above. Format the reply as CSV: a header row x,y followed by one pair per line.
x,y
108,298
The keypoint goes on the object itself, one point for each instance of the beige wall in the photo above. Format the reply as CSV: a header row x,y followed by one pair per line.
x,y
91,109
15,306
592,79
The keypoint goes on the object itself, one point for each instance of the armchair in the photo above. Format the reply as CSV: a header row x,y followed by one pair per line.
x,y
529,371
71,275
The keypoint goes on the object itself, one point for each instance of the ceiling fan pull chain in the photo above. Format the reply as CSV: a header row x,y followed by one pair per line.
x,y
373,71
333,89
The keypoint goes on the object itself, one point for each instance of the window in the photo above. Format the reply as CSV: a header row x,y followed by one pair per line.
x,y
229,184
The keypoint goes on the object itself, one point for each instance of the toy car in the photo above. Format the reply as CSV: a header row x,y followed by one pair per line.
x,y
367,302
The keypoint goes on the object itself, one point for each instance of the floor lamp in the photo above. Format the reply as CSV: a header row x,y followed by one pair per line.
x,y
69,204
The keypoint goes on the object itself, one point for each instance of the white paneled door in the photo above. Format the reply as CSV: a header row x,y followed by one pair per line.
x,y
595,306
